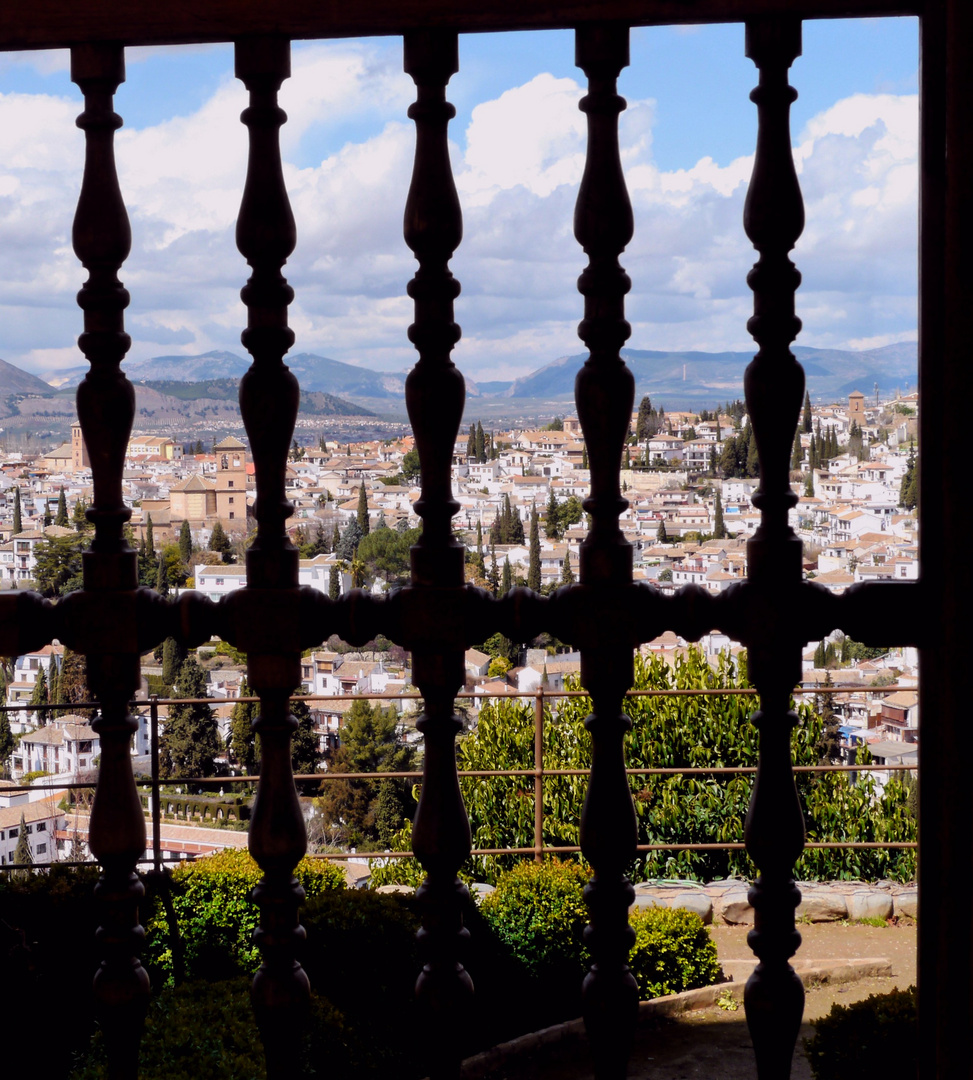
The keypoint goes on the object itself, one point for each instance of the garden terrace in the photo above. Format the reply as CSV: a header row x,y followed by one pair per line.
x,y
774,612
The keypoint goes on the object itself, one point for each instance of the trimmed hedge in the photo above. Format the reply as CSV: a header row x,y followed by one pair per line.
x,y
874,1037
211,899
538,912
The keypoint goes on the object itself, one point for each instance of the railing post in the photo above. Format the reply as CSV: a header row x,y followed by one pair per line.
x,y
106,408
435,392
539,776
269,396
156,800
604,393
774,385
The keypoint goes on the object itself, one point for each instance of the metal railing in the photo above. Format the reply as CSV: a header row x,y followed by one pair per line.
x,y
538,773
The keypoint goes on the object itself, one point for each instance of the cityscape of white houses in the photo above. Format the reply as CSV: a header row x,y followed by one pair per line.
x,y
688,520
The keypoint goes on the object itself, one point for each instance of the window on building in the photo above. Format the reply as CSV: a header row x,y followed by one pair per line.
x,y
14,833
232,514
41,849
42,826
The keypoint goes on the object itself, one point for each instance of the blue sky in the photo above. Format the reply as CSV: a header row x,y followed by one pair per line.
x,y
518,147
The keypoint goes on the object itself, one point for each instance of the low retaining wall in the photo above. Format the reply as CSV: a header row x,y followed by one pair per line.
x,y
832,901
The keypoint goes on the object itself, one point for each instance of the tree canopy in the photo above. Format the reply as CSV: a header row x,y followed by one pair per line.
x,y
189,744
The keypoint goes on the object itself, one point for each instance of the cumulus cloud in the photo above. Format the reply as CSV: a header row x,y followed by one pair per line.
x,y
517,169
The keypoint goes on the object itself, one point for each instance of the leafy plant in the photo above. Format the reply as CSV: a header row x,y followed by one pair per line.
x,y
538,912
215,915
875,1037
673,952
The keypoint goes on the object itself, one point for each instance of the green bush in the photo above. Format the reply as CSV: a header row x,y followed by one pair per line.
x,y
216,918
537,910
672,952
874,1037
206,1031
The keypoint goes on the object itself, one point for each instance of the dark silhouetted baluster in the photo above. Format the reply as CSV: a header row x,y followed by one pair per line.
x,y
106,407
269,398
604,392
435,393
774,384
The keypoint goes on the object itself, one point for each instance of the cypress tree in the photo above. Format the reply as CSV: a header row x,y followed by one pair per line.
x,y
627,459
807,418
18,523
335,537
363,526
819,655
186,545
7,743
471,444
507,580
149,540
719,529
40,696
567,574
534,559
494,577
551,523
797,454
334,582
189,745
218,542
173,655
812,454
243,742
753,458
61,517
162,577
661,535
584,455
645,421
23,856
480,445
809,485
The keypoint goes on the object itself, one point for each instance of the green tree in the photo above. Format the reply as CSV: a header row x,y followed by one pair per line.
x,y
72,684
909,488
173,657
753,457
507,578
471,444
334,582
162,578
220,543
719,528
61,517
410,466
350,539
567,574
39,696
534,556
480,444
797,454
362,515
305,743
661,535
7,743
494,576
809,485
188,745
186,545
18,522
369,743
828,746
79,517
552,524
647,423
807,417
58,565
677,732
243,742
23,856
386,554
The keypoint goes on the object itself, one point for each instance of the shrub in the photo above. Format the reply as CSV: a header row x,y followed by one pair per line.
x,y
538,912
875,1037
216,918
206,1031
673,952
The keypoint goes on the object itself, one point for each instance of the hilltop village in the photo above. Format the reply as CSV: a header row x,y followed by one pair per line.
x,y
688,478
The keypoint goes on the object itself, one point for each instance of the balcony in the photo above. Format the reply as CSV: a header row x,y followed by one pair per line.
x,y
437,616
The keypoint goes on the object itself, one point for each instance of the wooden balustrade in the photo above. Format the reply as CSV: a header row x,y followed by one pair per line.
x,y
437,615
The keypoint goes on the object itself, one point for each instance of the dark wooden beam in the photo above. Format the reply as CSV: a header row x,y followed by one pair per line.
x,y
47,24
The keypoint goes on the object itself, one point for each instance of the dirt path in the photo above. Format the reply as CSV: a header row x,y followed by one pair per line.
x,y
715,1043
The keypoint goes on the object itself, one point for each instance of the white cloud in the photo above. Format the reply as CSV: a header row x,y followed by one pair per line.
x,y
517,173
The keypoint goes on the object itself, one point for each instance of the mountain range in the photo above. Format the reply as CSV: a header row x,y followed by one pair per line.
x,y
673,379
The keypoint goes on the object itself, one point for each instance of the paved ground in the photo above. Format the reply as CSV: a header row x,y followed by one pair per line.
x,y
713,1043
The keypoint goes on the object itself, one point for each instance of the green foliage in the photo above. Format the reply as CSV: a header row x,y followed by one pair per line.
x,y
188,744
369,743
673,952
7,741
672,732
538,912
18,519
874,1037
410,466
216,917
534,564
61,517
243,745
220,543
186,545
362,515
58,567
385,554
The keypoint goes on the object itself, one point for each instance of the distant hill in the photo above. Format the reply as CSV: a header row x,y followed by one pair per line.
x,y
15,381
700,377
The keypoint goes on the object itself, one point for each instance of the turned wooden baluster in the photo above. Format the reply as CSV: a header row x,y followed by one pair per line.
x,y
106,408
435,393
774,384
604,392
269,397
